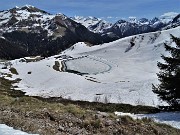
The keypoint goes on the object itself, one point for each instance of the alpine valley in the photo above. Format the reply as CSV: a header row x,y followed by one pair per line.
x,y
75,52
76,75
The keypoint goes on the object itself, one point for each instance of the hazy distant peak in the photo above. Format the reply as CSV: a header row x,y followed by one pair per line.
x,y
167,17
132,19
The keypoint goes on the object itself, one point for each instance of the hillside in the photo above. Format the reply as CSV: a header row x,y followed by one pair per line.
x,y
75,75
51,117
37,32
119,72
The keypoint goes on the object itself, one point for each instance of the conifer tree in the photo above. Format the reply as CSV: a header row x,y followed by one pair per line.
x,y
169,76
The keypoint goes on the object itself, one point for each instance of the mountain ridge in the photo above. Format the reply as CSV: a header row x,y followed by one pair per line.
x,y
41,33
131,26
38,32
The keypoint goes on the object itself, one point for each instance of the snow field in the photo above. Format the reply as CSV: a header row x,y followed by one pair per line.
x,y
117,71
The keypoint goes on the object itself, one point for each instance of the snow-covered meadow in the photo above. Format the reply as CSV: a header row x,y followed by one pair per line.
x,y
122,71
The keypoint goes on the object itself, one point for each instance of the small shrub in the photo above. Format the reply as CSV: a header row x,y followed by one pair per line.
x,y
29,72
148,120
13,71
9,75
56,66
86,123
75,110
17,80
126,119
4,67
95,123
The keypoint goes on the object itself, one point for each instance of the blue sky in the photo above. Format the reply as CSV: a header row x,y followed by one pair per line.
x,y
109,9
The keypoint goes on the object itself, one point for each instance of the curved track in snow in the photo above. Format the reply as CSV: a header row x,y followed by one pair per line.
x,y
107,65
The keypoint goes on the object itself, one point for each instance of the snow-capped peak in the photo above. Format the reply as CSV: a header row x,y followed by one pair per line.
x,y
132,19
167,17
29,6
60,14
78,17
94,24
93,18
27,14
24,7
86,21
143,21
16,7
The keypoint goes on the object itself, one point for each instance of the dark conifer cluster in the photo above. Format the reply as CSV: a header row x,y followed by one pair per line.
x,y
169,76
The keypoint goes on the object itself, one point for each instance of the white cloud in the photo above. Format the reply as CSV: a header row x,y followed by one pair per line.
x,y
132,17
169,15
110,17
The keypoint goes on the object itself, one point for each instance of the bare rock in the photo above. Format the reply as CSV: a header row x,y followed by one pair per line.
x,y
109,123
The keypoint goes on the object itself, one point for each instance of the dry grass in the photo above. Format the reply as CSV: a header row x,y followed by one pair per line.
x,y
30,114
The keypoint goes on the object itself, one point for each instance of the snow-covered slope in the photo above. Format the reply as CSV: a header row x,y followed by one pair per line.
x,y
121,71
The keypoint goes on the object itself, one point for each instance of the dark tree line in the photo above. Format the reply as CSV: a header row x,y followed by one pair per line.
x,y
169,76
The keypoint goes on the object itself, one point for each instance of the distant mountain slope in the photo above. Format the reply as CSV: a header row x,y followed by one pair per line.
x,y
94,24
40,33
123,28
174,23
10,51
133,26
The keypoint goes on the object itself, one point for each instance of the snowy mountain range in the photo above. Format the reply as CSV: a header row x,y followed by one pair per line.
x,y
32,31
29,31
94,24
132,26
